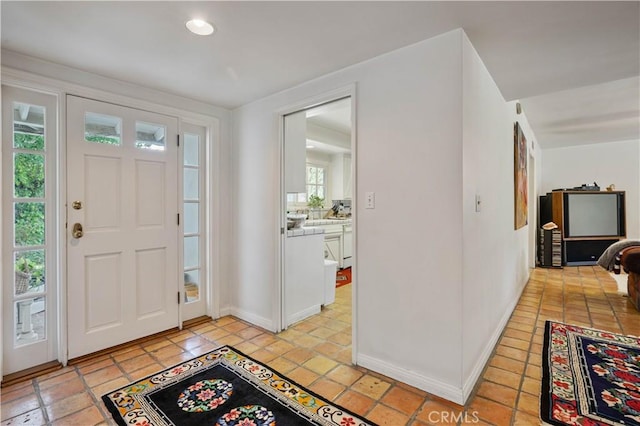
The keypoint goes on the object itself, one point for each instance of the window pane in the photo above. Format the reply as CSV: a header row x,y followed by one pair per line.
x,y
302,197
320,175
311,175
29,267
30,320
320,191
101,128
191,217
191,190
150,136
192,286
191,149
311,190
28,175
191,252
28,126
29,224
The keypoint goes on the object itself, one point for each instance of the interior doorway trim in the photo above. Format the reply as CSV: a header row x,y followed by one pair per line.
x,y
279,295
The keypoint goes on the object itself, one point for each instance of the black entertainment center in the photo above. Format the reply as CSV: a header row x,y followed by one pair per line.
x,y
589,222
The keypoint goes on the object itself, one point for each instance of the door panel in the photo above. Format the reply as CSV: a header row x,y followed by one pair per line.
x,y
29,285
123,270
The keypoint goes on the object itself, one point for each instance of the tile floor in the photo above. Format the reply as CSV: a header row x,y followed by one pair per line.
x,y
316,353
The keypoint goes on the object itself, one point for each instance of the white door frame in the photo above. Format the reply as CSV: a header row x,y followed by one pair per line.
x,y
533,208
279,295
109,93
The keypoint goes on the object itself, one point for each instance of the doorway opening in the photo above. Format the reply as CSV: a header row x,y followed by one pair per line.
x,y
318,215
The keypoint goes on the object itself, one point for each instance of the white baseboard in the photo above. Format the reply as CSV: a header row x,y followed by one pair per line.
x,y
427,384
299,316
265,323
470,383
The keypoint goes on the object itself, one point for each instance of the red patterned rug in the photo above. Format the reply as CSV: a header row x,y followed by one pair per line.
x,y
343,277
589,377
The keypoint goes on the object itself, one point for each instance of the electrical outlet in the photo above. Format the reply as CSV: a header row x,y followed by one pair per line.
x,y
370,200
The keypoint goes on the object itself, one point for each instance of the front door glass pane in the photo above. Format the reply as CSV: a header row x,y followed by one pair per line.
x,y
29,220
150,136
191,148
28,175
192,285
191,252
30,273
30,320
191,187
100,128
191,218
28,126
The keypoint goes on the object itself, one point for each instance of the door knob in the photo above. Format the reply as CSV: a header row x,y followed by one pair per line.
x,y
77,230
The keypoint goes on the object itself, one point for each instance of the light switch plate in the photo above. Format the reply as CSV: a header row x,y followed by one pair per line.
x,y
370,200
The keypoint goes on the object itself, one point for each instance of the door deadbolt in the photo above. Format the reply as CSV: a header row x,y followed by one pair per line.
x,y
77,230
77,205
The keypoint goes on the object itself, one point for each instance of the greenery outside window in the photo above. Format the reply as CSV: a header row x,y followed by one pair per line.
x,y
316,181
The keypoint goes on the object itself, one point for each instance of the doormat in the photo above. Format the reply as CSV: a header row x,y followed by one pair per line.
x,y
223,387
343,277
589,377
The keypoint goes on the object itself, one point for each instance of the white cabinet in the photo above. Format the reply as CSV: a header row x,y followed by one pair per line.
x,y
341,176
295,151
347,246
333,248
304,277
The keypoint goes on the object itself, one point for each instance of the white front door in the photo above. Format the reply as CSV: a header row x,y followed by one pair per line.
x,y
122,224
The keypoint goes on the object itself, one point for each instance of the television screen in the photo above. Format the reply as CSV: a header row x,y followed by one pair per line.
x,y
593,215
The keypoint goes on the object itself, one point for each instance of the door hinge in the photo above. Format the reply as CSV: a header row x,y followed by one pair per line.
x,y
178,137
281,231
178,298
178,219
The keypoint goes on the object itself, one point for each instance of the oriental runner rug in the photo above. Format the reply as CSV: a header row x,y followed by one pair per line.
x,y
589,377
223,387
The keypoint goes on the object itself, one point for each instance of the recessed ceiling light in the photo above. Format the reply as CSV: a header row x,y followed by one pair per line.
x,y
200,27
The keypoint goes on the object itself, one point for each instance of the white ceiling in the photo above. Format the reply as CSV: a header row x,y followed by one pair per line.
x,y
573,65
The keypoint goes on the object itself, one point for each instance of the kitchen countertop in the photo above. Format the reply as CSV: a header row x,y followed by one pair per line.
x,y
305,230
319,222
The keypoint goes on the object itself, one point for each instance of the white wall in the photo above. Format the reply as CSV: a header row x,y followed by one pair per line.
x,y
495,257
604,163
410,271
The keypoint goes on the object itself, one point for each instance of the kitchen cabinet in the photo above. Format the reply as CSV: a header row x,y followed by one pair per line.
x,y
295,152
333,247
304,277
341,176
347,246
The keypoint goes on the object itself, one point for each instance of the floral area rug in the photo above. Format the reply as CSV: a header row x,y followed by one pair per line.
x,y
589,377
223,387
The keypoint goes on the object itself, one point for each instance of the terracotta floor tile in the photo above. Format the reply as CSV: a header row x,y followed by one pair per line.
x,y
531,386
87,417
53,381
385,416
250,332
103,375
322,332
299,355
156,344
88,368
402,400
345,374
328,348
215,334
66,406
502,377
508,364
128,353
303,376
282,365
192,342
371,386
263,355
340,338
246,347
529,403
280,347
320,364
498,393
512,353
327,388
31,418
109,386
525,419
146,371
63,390
235,326
356,402
491,411
14,392
136,363
435,412
19,406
